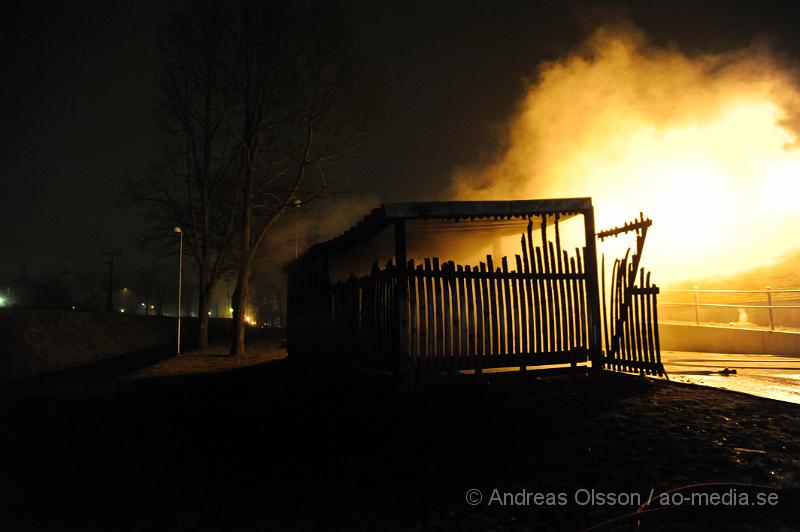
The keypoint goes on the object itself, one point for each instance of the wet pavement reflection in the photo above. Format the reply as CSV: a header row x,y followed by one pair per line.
x,y
770,376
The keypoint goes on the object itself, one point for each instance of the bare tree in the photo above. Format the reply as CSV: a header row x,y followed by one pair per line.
x,y
190,186
260,104
301,113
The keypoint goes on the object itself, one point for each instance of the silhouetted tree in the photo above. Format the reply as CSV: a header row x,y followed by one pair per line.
x,y
260,103
300,112
190,185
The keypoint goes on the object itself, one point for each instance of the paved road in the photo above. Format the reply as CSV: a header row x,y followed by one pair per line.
x,y
771,376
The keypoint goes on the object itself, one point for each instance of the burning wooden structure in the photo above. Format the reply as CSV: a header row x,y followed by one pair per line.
x,y
379,296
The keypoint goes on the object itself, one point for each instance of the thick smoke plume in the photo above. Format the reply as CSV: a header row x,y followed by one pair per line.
x,y
704,145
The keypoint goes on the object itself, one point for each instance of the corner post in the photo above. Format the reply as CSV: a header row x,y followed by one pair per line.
x,y
592,290
403,365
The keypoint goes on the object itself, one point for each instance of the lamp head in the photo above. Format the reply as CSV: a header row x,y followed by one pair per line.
x,y
177,229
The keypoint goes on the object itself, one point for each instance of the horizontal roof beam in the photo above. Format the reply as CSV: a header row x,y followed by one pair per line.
x,y
388,213
484,209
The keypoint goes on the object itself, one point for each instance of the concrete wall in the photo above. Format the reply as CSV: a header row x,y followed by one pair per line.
x,y
679,337
33,342
782,317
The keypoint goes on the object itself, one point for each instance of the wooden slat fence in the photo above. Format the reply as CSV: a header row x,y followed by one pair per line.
x,y
471,316
361,317
633,343
630,314
532,310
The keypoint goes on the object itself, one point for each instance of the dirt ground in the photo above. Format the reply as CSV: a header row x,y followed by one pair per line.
x,y
40,341
215,358
207,443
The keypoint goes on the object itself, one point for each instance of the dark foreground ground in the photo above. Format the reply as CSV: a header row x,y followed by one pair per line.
x,y
269,447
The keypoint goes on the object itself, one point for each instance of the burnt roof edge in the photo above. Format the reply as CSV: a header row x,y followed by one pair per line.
x,y
459,210
381,217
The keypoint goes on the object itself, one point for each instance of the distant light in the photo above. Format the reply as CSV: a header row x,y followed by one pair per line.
x,y
152,306
122,310
145,306
231,309
209,313
73,307
2,301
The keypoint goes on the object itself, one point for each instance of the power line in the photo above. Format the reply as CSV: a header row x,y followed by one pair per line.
x,y
51,253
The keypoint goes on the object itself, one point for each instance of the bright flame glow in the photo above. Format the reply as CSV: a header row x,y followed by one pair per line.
x,y
703,145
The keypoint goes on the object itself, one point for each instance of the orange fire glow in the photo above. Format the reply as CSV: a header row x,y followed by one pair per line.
x,y
704,145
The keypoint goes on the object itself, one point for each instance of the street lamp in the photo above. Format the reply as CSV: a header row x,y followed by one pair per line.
x,y
180,284
297,204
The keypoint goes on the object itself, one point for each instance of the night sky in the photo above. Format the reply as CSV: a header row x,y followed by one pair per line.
x,y
78,82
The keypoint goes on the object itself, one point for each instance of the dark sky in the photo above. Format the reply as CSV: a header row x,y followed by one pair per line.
x,y
78,80
77,85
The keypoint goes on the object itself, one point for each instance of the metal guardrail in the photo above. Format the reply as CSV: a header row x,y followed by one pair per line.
x,y
696,303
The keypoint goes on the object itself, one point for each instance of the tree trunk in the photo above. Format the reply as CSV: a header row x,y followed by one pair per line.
x,y
240,295
204,305
202,325
245,260
242,286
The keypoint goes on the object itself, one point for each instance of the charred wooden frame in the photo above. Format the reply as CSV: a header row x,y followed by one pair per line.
x,y
412,320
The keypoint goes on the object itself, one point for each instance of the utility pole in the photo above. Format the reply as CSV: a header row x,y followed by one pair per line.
x,y
110,264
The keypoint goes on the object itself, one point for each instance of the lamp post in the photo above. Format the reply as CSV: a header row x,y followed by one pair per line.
x,y
180,284
297,204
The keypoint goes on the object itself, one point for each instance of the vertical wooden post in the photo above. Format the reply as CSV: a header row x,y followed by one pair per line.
x,y
413,306
430,306
463,351
520,308
472,321
404,371
592,290
494,310
421,363
439,304
604,302
485,336
509,314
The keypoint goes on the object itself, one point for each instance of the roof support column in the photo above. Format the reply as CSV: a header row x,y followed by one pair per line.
x,y
592,290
